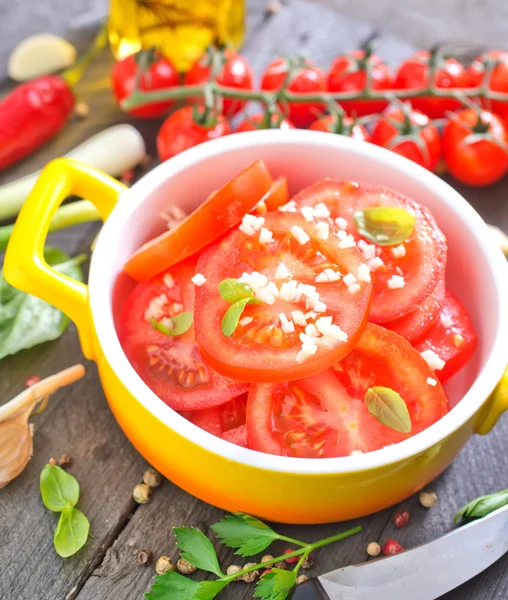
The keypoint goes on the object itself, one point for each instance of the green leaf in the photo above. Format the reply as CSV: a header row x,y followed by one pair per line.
x,y
385,225
232,317
276,585
389,408
172,586
59,489
26,321
232,290
197,549
482,506
245,533
71,532
208,589
180,323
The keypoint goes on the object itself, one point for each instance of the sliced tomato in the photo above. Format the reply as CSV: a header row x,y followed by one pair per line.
x,y
415,325
172,367
259,350
276,196
424,262
452,337
222,210
325,415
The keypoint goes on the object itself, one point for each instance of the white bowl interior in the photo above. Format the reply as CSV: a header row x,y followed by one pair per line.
x,y
476,270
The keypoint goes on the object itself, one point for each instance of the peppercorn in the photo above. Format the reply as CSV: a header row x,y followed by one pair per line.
x,y
144,557
301,579
401,519
373,549
164,564
64,460
308,562
249,577
391,547
281,565
81,111
32,380
266,558
141,493
232,569
428,499
52,462
292,559
152,478
185,567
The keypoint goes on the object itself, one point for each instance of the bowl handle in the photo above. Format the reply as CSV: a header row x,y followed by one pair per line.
x,y
25,267
496,404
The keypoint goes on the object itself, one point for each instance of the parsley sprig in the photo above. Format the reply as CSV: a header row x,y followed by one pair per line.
x,y
239,294
248,536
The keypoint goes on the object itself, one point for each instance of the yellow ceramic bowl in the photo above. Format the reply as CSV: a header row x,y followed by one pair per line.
x,y
237,479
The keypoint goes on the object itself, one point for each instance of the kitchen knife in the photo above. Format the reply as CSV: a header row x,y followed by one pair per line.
x,y
422,573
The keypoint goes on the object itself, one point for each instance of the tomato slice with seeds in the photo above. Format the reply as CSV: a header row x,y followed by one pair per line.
x,y
415,325
259,349
276,196
452,337
424,261
222,210
325,415
172,367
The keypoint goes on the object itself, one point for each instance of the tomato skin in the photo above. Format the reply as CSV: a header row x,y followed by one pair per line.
x,y
325,415
385,133
255,122
346,75
328,123
276,196
172,367
235,73
498,81
306,80
482,162
180,132
222,210
413,74
455,343
160,74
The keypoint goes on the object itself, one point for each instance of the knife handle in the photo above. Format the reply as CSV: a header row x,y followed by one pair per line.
x,y
310,590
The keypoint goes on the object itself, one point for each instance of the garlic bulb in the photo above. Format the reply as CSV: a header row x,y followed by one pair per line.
x,y
16,432
38,55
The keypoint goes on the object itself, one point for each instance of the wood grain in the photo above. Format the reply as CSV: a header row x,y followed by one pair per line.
x,y
78,421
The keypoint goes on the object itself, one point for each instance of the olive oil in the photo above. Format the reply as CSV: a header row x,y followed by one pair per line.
x,y
180,29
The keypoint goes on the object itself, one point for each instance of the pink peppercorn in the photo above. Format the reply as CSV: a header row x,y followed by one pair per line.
x,y
391,547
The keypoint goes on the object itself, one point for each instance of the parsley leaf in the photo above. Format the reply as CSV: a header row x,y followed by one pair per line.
x,y
71,532
208,589
276,585
59,489
232,317
197,549
232,290
180,323
385,225
172,586
245,533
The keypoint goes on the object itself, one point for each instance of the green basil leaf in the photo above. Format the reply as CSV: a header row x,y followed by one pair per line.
x,y
232,290
180,323
71,532
276,585
245,533
232,317
482,506
385,225
389,408
25,320
172,586
197,549
59,489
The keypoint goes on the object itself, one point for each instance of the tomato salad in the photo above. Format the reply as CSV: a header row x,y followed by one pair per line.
x,y
316,326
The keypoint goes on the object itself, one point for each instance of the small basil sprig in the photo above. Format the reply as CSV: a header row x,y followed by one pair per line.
x,y
482,506
60,493
385,225
180,323
389,408
239,294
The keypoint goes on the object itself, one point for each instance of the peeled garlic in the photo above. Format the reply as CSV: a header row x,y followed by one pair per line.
x,y
15,430
501,238
38,55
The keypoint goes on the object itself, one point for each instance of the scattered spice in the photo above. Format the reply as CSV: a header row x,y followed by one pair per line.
x,y
64,461
249,577
152,478
266,558
232,569
144,557
185,567
391,547
428,499
401,519
308,562
141,493
373,549
52,462
32,380
81,111
301,579
164,564
281,565
291,560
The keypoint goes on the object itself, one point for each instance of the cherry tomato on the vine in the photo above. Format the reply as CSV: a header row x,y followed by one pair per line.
x,y
181,131
349,74
160,74
414,74
498,79
346,126
410,135
306,79
259,122
235,72
475,147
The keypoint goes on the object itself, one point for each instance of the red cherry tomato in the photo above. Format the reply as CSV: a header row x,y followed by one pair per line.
x,y
498,80
413,74
325,415
308,79
180,131
348,74
348,127
235,73
411,136
256,122
172,367
475,147
452,337
161,74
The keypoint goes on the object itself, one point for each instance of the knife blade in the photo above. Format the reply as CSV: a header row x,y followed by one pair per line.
x,y
422,573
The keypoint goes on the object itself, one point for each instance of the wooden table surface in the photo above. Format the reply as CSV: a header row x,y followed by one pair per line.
x,y
78,421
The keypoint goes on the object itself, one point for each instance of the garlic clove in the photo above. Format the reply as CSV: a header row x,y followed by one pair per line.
x,y
38,55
